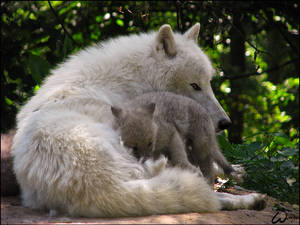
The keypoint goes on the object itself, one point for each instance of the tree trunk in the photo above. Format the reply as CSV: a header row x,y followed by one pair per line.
x,y
237,61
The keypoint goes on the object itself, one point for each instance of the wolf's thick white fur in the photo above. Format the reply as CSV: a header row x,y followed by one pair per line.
x,y
68,158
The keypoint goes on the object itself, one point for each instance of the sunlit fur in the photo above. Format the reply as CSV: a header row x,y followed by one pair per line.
x,y
68,158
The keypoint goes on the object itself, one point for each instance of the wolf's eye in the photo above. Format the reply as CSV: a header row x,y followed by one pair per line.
x,y
196,87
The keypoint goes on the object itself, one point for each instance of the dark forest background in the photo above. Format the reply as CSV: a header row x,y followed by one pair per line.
x,y
254,46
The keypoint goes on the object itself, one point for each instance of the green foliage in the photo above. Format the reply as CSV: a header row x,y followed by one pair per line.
x,y
38,67
271,163
274,108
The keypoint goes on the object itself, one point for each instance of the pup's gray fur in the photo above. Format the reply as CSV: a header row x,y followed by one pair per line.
x,y
165,123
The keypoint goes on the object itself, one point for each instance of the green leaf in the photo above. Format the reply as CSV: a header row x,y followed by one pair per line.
x,y
99,19
287,165
45,39
120,22
78,37
67,46
282,139
8,101
289,151
39,67
36,88
32,16
224,143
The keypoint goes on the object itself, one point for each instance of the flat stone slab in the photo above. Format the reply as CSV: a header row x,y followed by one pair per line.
x,y
12,212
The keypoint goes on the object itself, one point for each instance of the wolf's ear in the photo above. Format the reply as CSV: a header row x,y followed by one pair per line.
x,y
193,32
165,40
150,108
116,111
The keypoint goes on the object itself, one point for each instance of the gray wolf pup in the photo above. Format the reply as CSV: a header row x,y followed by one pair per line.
x,y
158,123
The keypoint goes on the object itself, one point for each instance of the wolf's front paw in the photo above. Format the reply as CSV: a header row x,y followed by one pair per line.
x,y
238,174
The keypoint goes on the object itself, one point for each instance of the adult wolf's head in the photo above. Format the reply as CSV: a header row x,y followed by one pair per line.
x,y
187,70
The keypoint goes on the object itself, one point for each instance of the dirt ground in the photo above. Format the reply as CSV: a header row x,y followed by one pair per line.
x,y
12,211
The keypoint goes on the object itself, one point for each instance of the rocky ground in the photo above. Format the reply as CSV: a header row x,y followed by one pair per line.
x,y
12,211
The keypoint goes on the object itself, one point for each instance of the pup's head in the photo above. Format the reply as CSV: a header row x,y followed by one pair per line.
x,y
185,69
137,128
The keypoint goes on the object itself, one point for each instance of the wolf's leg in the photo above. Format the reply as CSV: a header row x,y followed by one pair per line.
x,y
178,154
205,150
238,173
206,166
200,155
250,201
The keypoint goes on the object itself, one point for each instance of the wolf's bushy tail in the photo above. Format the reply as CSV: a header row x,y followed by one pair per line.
x,y
173,191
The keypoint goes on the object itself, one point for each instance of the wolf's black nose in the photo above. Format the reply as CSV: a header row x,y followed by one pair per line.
x,y
223,124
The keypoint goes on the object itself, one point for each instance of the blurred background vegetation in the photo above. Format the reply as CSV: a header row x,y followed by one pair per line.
x,y
254,46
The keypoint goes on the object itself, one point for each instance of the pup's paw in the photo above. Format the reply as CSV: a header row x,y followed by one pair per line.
x,y
198,171
160,164
238,174
155,167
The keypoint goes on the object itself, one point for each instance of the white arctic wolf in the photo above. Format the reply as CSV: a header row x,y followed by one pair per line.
x,y
67,157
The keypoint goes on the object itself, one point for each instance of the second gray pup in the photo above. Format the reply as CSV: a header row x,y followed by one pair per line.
x,y
165,123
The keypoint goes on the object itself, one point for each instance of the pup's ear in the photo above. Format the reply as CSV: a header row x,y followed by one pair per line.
x,y
165,40
150,108
116,111
193,32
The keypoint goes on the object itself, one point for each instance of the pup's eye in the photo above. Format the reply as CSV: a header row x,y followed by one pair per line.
x,y
135,152
196,87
